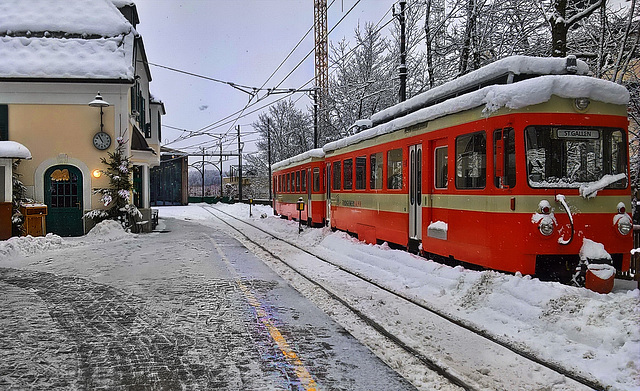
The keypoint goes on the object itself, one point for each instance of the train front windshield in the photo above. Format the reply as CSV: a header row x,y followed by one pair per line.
x,y
569,157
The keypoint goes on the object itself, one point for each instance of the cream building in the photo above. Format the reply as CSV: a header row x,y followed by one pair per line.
x,y
55,58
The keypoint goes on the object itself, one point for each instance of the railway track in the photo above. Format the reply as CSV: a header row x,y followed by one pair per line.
x,y
474,380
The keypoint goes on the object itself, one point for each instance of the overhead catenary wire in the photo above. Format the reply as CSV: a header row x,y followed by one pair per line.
x,y
242,113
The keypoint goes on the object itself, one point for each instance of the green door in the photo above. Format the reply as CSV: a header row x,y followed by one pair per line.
x,y
63,196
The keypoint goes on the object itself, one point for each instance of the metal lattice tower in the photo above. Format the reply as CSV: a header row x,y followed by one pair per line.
x,y
322,59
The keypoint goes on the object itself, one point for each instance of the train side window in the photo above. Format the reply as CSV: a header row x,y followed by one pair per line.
x,y
337,175
280,184
441,166
376,164
303,181
316,179
471,161
361,172
504,157
394,169
298,181
348,174
288,182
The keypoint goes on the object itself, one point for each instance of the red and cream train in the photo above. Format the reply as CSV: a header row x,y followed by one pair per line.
x,y
520,166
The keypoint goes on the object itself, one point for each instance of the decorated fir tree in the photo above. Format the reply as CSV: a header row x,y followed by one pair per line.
x,y
117,196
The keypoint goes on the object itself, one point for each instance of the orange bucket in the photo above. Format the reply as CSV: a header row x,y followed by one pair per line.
x,y
600,278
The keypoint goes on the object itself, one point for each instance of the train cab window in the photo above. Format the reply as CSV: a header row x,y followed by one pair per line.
x,y
441,166
303,181
504,158
569,157
348,174
361,172
316,179
394,169
376,164
298,181
337,175
288,182
471,161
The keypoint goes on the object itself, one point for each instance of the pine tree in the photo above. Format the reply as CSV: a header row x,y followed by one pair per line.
x,y
116,197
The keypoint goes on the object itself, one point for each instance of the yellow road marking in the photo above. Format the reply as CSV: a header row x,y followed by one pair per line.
x,y
303,374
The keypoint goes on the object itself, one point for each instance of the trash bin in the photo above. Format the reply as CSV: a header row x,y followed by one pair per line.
x,y
34,219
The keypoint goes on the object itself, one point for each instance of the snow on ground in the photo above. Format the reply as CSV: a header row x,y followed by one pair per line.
x,y
595,334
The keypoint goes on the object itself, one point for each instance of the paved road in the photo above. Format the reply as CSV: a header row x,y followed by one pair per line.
x,y
187,309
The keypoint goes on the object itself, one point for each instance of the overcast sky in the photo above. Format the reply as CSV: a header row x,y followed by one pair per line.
x,y
240,41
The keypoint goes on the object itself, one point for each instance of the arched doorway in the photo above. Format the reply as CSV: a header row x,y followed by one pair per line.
x,y
63,196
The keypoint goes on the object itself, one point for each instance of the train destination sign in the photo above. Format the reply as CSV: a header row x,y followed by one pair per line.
x,y
579,133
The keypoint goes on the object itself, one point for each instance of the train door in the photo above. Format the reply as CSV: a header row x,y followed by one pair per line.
x,y
327,184
437,182
415,192
308,184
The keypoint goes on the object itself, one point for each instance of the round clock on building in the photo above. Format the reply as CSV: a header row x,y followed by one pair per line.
x,y
101,140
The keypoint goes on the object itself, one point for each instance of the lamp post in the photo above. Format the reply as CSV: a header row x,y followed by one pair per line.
x,y
99,102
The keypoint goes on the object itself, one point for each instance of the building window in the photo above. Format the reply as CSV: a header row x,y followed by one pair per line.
x,y
394,169
4,123
375,164
471,161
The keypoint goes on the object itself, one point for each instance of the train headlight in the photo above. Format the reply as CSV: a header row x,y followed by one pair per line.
x,y
546,227
581,104
624,226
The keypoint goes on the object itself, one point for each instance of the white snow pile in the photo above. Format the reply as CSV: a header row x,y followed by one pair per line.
x,y
23,245
590,190
511,96
108,230
13,149
65,39
593,334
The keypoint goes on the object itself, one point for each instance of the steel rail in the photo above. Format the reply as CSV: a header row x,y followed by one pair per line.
x,y
593,384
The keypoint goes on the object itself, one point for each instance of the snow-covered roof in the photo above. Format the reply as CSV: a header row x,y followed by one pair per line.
x,y
515,65
512,96
14,150
314,153
84,39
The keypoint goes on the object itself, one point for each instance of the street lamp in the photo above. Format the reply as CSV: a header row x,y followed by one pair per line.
x,y
98,101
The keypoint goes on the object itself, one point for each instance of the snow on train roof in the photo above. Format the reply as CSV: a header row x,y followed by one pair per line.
x,y
314,153
512,96
516,65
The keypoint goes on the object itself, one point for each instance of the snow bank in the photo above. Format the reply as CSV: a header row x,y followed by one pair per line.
x,y
108,230
24,245
511,96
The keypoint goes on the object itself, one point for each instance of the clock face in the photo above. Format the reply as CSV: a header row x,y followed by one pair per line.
x,y
101,140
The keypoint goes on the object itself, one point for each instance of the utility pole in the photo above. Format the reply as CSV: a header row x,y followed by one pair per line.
x,y
322,66
221,184
402,94
269,155
202,173
239,167
315,119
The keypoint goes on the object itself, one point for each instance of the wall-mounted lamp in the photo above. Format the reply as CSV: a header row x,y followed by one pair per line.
x,y
99,102
96,173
